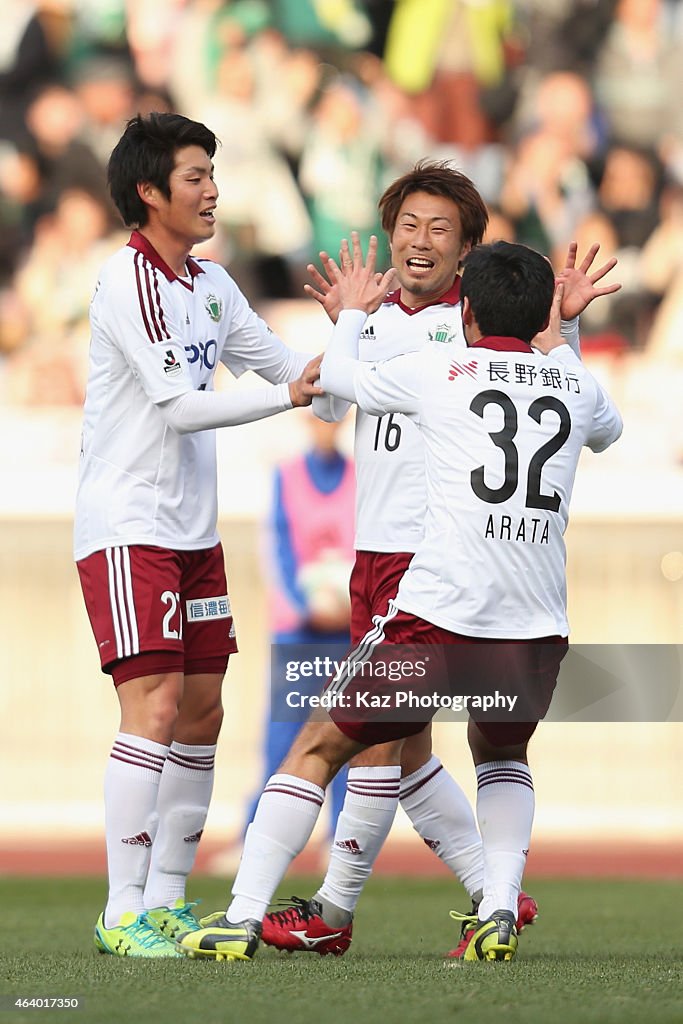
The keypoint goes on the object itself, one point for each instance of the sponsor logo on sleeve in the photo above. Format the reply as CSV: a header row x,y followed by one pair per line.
x,y
171,365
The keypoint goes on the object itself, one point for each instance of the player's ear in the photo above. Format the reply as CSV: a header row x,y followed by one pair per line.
x,y
467,315
148,193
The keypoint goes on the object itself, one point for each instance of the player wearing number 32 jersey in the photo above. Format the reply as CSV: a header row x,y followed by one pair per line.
x,y
503,428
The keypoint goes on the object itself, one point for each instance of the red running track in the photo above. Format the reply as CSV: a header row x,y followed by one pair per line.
x,y
620,859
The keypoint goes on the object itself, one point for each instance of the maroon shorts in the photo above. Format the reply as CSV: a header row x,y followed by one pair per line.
x,y
141,599
457,665
374,582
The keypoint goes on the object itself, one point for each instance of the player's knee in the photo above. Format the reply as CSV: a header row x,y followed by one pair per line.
x,y
495,742
416,751
200,725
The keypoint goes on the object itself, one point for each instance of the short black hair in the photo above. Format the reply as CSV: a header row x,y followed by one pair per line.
x,y
146,153
510,288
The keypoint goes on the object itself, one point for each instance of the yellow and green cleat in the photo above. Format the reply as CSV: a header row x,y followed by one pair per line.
x,y
133,936
220,939
493,939
173,921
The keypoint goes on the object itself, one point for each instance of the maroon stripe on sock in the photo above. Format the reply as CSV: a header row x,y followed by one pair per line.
x,y
127,748
514,781
386,791
298,796
423,782
189,763
138,764
503,775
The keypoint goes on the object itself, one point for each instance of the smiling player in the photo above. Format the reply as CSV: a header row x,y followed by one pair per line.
x,y
148,554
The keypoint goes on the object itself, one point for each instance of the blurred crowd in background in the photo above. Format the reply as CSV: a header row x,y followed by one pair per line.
x,y
567,114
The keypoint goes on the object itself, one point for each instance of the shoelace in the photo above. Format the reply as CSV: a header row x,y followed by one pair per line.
x,y
468,921
185,915
143,931
293,915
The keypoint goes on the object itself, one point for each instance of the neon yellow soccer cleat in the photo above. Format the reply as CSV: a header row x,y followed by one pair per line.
x,y
134,935
174,921
220,939
494,939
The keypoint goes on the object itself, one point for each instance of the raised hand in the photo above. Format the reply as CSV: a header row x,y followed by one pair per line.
x,y
322,290
551,338
580,285
303,390
358,284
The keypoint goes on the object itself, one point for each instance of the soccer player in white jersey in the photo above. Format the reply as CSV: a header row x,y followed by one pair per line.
x,y
148,554
503,429
432,215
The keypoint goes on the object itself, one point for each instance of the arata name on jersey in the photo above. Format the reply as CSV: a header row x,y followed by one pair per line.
x,y
525,528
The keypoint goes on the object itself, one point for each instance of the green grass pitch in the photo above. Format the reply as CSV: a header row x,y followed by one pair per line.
x,y
602,952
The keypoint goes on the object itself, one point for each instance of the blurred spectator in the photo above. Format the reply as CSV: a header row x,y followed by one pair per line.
x,y
34,44
629,194
546,190
447,53
20,195
56,119
639,74
662,271
259,205
325,24
104,87
341,167
612,325
151,28
53,290
499,228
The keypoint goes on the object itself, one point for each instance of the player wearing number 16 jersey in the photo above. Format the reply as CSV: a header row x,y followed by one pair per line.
x,y
146,546
432,216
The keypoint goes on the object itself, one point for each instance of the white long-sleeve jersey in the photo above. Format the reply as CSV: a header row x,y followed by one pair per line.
x,y
148,455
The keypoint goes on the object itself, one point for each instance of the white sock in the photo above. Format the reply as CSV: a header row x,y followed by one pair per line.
x,y
285,817
131,787
505,810
182,807
442,816
363,825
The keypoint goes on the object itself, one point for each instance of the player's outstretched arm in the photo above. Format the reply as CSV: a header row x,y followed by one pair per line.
x,y
206,410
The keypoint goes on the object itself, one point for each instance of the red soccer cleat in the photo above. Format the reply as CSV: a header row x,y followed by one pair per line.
x,y
301,929
527,912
